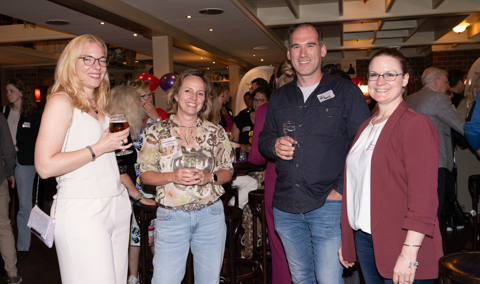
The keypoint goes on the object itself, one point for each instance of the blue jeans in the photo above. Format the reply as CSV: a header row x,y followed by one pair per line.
x,y
24,177
204,231
366,258
311,242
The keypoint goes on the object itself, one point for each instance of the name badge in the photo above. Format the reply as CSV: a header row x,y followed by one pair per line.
x,y
246,128
26,125
326,96
169,142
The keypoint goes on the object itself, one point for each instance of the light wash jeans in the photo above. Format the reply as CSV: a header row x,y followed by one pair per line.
x,y
204,231
311,242
366,257
24,177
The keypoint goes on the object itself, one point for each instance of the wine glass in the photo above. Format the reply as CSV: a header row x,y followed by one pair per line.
x,y
118,122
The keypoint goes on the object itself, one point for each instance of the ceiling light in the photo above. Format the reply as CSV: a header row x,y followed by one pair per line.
x,y
460,28
57,22
102,23
134,34
213,62
261,47
211,11
211,30
201,57
208,68
254,55
364,1
261,59
189,17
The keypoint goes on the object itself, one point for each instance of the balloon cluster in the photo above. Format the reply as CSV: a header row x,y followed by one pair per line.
x,y
166,82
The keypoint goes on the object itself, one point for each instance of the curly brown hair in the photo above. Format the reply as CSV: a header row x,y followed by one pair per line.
x,y
28,100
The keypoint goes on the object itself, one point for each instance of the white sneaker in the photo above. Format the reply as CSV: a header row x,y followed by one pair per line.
x,y
133,280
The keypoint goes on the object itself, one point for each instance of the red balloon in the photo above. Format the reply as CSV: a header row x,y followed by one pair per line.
x,y
152,80
356,81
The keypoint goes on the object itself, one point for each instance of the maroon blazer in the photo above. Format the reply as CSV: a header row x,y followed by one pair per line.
x,y
403,193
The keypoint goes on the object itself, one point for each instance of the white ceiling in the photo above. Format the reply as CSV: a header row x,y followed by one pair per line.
x,y
352,29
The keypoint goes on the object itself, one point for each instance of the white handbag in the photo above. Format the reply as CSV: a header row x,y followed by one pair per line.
x,y
42,225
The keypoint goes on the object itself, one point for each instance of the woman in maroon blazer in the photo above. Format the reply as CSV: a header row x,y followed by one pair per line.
x,y
390,200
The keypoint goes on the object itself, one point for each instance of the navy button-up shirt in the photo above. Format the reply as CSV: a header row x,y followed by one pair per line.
x,y
325,129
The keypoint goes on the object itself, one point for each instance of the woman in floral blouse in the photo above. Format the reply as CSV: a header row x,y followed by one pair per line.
x,y
190,214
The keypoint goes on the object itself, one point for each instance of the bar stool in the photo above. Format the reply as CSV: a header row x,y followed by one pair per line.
x,y
233,216
256,201
461,267
144,214
474,189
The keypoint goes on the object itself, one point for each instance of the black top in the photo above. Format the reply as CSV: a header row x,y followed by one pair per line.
x,y
244,125
27,132
223,121
126,164
326,125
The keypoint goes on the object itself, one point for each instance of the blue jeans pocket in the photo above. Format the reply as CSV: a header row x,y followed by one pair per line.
x,y
164,214
216,208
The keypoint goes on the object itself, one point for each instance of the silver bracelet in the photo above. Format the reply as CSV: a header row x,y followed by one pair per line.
x,y
410,264
415,246
139,196
91,152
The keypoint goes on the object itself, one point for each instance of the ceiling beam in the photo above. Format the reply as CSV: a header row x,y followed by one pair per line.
x,y
256,21
380,24
473,30
436,3
374,37
340,8
411,32
125,16
21,33
445,25
294,8
388,5
368,52
422,48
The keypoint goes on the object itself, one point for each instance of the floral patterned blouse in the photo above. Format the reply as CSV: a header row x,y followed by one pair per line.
x,y
163,152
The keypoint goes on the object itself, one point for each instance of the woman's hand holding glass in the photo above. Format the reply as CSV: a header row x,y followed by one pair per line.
x,y
188,176
110,142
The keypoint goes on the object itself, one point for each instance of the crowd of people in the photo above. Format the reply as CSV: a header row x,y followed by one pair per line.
x,y
351,185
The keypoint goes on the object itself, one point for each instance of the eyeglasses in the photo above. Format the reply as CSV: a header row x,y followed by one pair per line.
x,y
386,76
258,100
90,61
146,96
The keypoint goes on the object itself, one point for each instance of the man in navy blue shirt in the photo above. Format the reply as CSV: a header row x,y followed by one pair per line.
x,y
307,202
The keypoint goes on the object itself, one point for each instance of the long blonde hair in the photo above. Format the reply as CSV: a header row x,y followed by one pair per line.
x,y
124,99
66,79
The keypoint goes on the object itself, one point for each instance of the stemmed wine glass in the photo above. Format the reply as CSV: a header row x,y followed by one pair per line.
x,y
118,122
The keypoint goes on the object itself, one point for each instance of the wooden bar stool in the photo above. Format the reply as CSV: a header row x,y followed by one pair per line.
x,y
474,189
461,267
234,266
256,201
144,214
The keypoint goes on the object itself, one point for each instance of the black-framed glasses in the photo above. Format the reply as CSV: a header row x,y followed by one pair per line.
x,y
89,61
146,96
386,76
258,100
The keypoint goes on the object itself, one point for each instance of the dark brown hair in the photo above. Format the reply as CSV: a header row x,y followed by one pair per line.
x,y
28,100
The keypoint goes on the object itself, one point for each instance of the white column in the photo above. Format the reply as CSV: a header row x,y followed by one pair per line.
x,y
162,64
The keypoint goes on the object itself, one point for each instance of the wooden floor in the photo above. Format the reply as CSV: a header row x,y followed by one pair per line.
x,y
41,265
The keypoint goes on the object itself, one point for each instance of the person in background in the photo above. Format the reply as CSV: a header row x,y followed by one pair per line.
x,y
248,100
307,202
7,166
256,83
472,125
220,108
280,272
91,208
24,122
190,215
456,86
470,94
128,101
152,114
432,102
389,200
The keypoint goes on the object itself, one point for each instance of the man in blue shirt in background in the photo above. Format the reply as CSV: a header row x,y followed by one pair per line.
x,y
307,202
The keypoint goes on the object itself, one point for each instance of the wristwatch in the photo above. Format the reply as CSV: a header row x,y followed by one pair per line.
x,y
214,177
158,119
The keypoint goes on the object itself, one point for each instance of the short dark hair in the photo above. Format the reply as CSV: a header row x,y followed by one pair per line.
x,y
247,94
307,24
260,82
263,90
454,76
393,52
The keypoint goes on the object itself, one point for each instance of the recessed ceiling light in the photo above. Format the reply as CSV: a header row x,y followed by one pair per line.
x,y
102,23
189,17
211,11
57,22
261,47
211,30
261,59
254,55
227,67
201,57
208,68
136,61
134,34
213,62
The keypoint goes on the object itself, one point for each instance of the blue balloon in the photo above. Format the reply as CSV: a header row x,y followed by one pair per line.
x,y
167,80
